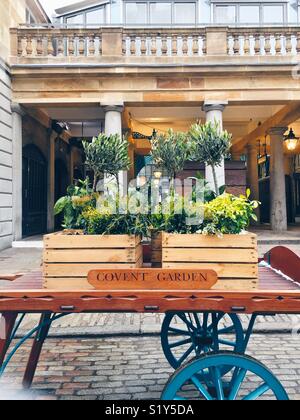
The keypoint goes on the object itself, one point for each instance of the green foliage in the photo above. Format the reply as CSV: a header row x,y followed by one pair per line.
x,y
177,215
106,154
210,145
228,214
208,194
77,199
113,217
225,214
170,151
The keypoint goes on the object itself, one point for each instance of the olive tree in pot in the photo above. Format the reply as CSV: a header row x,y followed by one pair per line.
x,y
109,239
210,145
170,152
106,155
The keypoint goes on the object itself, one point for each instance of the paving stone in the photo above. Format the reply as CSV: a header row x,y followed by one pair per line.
x,y
86,380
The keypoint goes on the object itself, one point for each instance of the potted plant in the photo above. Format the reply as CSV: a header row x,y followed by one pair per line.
x,y
169,151
109,238
217,239
210,145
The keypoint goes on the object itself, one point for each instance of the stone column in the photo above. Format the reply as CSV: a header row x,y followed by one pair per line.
x,y
51,180
214,113
17,146
113,125
277,180
252,173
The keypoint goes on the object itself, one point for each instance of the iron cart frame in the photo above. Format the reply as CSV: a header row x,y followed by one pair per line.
x,y
207,367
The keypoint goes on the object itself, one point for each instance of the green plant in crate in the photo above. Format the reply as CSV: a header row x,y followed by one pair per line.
x,y
113,217
210,144
229,214
72,205
106,155
177,215
170,151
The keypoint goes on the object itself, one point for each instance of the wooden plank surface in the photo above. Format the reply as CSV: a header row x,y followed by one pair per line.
x,y
90,255
210,255
202,241
60,241
275,294
75,283
152,279
246,271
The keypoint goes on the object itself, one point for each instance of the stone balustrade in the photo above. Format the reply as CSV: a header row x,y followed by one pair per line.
x,y
164,42
46,44
264,41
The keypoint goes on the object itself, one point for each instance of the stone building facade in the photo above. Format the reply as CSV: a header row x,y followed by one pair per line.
x,y
135,66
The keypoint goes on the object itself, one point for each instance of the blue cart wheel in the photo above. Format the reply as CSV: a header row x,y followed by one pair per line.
x,y
186,335
246,379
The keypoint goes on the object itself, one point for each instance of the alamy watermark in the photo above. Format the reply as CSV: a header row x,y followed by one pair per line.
x,y
165,196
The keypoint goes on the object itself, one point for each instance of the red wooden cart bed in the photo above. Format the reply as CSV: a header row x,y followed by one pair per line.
x,y
208,372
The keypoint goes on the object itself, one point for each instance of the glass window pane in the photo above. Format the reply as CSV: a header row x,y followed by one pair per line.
x,y
273,14
96,16
249,14
136,13
75,20
115,11
184,13
160,13
225,14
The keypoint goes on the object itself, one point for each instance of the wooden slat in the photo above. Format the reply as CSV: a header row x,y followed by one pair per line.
x,y
60,241
79,270
210,255
67,284
203,241
242,271
89,255
236,284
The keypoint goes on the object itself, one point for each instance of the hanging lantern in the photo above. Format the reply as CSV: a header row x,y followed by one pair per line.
x,y
291,141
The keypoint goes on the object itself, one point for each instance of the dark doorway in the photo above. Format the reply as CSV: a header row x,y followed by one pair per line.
x,y
61,185
34,191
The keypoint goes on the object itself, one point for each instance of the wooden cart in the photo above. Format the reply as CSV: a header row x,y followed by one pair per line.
x,y
209,326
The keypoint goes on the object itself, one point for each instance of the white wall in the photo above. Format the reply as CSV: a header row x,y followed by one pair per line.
x,y
5,159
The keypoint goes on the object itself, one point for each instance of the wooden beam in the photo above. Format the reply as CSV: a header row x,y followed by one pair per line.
x,y
284,117
40,116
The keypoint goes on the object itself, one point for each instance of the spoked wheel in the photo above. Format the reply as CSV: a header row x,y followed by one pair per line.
x,y
246,379
186,335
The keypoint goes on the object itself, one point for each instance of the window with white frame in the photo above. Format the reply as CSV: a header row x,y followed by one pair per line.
x,y
161,12
30,19
96,16
249,12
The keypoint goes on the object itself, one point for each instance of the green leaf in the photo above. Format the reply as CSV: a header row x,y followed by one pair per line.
x,y
60,205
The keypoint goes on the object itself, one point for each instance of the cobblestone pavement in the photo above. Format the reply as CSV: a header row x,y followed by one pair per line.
x,y
106,324
129,368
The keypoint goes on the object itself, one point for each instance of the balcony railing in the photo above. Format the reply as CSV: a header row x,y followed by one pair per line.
x,y
46,45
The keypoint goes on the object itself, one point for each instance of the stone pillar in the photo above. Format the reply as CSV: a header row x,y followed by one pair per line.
x,y
113,125
277,180
17,147
214,113
252,173
51,180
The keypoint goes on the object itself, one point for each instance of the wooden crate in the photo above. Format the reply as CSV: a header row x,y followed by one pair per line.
x,y
233,257
156,249
68,259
